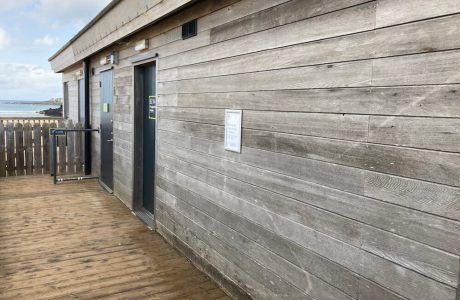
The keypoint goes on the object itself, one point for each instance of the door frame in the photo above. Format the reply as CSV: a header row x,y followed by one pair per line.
x,y
138,160
111,69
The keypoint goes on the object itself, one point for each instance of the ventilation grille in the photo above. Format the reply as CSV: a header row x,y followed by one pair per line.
x,y
189,29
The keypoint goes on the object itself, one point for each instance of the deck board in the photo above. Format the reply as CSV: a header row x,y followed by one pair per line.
x,y
75,241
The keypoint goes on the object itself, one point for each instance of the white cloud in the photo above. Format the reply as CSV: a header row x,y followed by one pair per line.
x,y
4,39
46,40
13,5
25,81
57,12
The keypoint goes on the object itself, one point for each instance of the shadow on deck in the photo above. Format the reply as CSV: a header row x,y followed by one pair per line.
x,y
74,241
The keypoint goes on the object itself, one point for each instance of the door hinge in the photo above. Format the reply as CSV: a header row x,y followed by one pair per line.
x,y
100,83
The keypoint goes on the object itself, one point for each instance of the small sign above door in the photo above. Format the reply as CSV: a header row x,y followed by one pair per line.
x,y
233,130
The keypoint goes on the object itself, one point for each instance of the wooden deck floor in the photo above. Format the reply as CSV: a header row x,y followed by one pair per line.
x,y
74,241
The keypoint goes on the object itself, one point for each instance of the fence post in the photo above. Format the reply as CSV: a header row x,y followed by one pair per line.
x,y
18,130
28,148
37,149
10,149
52,147
46,148
62,150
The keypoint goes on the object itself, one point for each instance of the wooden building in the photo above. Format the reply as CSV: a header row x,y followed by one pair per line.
x,y
347,185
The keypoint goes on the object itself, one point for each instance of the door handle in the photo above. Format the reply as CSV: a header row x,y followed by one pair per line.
x,y
110,141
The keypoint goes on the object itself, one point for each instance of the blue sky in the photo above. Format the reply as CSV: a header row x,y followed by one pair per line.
x,y
30,32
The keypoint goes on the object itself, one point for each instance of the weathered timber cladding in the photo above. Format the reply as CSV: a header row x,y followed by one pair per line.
x,y
348,184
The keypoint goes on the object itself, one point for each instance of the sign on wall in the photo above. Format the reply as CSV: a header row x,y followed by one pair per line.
x,y
233,130
152,107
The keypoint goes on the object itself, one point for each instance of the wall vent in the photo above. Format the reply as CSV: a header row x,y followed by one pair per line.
x,y
189,29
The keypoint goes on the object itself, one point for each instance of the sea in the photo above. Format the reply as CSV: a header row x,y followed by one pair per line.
x,y
10,109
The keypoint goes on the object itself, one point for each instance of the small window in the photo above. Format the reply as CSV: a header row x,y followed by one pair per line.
x,y
189,29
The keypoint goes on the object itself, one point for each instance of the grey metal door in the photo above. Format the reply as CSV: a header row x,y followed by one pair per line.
x,y
107,129
149,120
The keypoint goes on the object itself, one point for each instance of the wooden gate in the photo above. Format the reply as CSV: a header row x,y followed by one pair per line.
x,y
25,147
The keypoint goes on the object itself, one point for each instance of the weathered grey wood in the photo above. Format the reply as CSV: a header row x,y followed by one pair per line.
x,y
429,68
283,14
19,138
62,159
2,150
436,199
339,126
427,165
437,101
46,148
435,134
358,287
254,252
427,36
238,181
79,151
10,155
354,74
391,12
357,234
426,290
326,26
380,186
346,183
29,150
419,69
218,261
38,157
70,149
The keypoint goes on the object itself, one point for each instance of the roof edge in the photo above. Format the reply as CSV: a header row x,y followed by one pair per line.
x,y
103,12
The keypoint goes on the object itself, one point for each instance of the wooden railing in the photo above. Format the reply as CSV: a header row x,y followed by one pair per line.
x,y
25,147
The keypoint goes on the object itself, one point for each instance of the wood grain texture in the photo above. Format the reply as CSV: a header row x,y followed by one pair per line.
x,y
321,27
28,148
19,138
62,152
104,251
38,155
439,167
391,12
333,225
427,36
436,101
316,242
441,233
280,15
347,186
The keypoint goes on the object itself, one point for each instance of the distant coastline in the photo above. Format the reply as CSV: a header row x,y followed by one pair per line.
x,y
28,108
54,101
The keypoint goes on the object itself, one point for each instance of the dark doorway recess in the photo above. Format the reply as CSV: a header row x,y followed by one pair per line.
x,y
106,177
144,140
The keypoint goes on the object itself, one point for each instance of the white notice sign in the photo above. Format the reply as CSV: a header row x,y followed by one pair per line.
x,y
233,130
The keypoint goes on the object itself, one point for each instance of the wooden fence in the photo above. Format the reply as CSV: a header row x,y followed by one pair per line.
x,y
25,147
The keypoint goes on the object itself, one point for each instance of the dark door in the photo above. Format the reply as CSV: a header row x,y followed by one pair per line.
x,y
148,151
107,129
